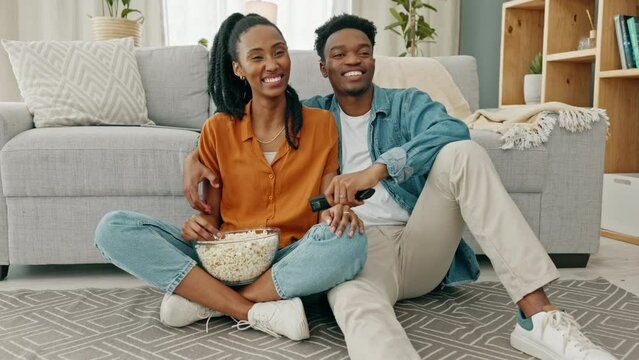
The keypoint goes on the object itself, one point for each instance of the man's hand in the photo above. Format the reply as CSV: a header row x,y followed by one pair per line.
x,y
192,174
199,227
342,188
338,216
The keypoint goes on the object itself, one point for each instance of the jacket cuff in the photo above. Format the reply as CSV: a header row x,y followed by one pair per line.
x,y
395,161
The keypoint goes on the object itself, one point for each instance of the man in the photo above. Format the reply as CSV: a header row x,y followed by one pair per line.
x,y
430,179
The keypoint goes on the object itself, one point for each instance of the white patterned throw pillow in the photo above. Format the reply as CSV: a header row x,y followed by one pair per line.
x,y
75,83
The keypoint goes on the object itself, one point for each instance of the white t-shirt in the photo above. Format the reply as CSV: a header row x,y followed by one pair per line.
x,y
380,209
269,156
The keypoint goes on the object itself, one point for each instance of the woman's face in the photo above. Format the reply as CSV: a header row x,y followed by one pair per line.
x,y
263,59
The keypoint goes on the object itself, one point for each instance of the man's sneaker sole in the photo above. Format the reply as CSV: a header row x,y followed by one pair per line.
x,y
532,348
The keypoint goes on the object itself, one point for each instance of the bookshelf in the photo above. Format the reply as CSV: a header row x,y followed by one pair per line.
x,y
592,77
617,91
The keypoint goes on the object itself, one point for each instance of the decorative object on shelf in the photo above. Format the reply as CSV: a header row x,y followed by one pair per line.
x,y
532,81
414,28
114,24
266,9
590,41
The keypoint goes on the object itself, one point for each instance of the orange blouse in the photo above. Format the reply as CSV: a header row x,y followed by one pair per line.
x,y
256,193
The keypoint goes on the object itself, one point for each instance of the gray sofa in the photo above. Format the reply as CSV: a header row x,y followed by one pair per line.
x,y
58,182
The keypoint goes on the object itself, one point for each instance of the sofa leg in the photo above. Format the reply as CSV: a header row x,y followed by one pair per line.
x,y
570,260
4,270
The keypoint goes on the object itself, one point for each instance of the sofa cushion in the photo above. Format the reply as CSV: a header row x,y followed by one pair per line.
x,y
463,69
95,161
175,80
305,74
520,171
71,83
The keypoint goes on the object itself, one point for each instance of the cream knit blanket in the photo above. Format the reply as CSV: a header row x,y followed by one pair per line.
x,y
526,126
425,74
521,127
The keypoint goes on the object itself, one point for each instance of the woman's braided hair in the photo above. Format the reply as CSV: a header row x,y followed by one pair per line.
x,y
230,93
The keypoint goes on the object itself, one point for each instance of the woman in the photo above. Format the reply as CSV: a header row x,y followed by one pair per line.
x,y
271,155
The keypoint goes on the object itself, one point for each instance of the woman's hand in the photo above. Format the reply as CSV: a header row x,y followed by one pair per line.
x,y
199,227
193,173
338,216
342,188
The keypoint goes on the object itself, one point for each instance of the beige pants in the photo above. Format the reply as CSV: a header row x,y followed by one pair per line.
x,y
405,262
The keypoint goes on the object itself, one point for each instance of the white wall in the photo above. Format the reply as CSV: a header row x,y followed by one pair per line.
x,y
8,30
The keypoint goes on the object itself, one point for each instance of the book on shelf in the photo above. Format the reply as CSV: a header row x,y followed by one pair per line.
x,y
623,42
633,30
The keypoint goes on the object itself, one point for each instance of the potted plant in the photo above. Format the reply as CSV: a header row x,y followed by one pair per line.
x,y
115,23
204,42
414,28
532,81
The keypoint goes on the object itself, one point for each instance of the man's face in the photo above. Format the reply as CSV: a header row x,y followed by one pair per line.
x,y
349,63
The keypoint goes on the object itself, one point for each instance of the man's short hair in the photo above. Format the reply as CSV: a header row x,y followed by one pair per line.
x,y
340,22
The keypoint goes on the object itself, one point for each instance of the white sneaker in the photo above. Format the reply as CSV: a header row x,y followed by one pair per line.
x,y
554,335
282,317
177,311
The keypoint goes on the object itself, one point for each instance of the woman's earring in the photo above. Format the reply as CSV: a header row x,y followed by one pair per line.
x,y
246,85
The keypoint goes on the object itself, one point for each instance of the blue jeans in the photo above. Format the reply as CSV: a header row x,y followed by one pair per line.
x,y
155,252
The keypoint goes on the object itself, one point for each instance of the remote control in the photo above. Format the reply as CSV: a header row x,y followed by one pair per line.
x,y
319,202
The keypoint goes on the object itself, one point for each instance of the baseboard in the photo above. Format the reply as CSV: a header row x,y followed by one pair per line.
x,y
619,236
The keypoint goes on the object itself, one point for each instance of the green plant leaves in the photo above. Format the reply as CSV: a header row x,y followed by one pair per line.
x,y
402,3
396,14
536,64
413,26
114,5
127,11
429,6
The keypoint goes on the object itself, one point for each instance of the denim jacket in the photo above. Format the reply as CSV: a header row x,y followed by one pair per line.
x,y
406,132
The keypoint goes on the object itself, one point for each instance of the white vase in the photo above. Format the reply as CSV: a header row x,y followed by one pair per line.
x,y
532,88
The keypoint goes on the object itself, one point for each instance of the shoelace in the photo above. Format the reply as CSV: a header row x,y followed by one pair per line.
x,y
566,324
257,325
208,314
207,324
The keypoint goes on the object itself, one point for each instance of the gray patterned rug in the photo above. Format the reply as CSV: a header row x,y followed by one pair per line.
x,y
468,322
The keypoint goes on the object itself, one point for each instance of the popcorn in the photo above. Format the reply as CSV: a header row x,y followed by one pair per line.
x,y
241,256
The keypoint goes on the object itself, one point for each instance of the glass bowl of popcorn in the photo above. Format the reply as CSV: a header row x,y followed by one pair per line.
x,y
239,257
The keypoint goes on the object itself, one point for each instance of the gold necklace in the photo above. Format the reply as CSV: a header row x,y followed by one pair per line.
x,y
273,139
